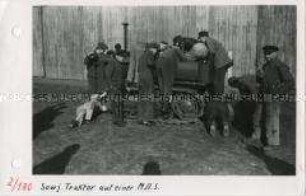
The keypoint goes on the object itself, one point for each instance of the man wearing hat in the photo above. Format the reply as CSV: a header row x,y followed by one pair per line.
x,y
93,61
105,75
118,49
123,57
177,41
167,64
146,84
275,78
163,45
112,70
218,60
218,57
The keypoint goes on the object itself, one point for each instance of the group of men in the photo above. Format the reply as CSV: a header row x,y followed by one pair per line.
x,y
158,64
272,78
106,73
165,65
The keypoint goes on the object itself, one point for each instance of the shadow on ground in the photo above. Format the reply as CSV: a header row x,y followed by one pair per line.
x,y
43,120
274,165
151,168
58,163
176,148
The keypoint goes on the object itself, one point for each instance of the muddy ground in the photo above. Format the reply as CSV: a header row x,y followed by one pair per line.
x,y
170,147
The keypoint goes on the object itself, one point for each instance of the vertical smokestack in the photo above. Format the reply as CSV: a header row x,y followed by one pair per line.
x,y
125,29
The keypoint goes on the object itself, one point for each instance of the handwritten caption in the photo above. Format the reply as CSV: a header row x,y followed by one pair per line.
x,y
104,188
16,184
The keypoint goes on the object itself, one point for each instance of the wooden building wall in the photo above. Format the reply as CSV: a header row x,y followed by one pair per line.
x,y
63,35
38,69
277,26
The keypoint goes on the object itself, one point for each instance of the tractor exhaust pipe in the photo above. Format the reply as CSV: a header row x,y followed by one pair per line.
x,y
125,35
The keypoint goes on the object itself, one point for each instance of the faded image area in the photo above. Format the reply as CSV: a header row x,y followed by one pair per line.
x,y
164,90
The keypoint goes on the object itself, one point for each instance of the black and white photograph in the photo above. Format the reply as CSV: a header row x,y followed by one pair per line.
x,y
164,90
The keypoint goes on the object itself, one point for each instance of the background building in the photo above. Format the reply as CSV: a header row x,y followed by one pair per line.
x,y
63,35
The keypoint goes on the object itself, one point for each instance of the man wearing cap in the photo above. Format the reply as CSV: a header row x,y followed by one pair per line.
x,y
275,78
115,86
218,56
94,62
118,49
167,64
105,75
146,84
218,60
123,57
177,41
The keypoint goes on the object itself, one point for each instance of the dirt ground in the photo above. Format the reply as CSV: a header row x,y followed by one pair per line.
x,y
171,147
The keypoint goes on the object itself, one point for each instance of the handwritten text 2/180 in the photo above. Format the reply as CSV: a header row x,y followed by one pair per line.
x,y
17,185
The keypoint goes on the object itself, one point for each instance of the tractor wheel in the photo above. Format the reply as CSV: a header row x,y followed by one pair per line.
x,y
187,109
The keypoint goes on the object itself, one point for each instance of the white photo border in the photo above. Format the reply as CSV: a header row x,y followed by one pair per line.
x,y
16,116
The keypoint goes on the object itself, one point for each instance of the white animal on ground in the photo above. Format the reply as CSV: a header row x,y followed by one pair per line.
x,y
85,111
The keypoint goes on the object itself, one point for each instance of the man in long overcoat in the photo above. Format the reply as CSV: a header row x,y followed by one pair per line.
x,y
167,65
114,85
275,78
146,84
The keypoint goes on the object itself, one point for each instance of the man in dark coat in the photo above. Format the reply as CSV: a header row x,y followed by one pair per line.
x,y
112,72
93,62
118,49
219,58
167,64
123,57
275,78
146,84
248,110
105,75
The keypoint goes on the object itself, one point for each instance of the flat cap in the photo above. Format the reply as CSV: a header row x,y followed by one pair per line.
x,y
102,46
203,33
268,49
